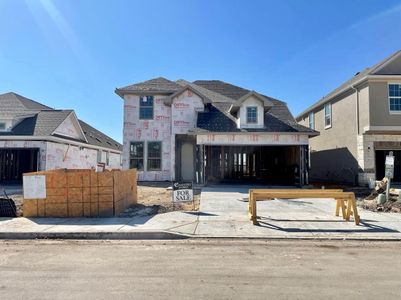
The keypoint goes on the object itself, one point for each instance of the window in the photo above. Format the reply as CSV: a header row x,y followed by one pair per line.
x,y
154,156
252,114
2,126
136,156
311,120
146,107
99,155
327,115
394,96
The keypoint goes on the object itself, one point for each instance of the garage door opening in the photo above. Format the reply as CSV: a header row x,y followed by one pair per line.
x,y
15,162
262,164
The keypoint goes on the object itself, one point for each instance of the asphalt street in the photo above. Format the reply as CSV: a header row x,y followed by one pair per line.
x,y
200,269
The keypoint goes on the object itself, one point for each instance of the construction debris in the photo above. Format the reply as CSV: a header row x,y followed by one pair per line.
x,y
377,200
380,187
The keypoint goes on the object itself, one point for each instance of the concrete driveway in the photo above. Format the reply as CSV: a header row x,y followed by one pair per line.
x,y
223,212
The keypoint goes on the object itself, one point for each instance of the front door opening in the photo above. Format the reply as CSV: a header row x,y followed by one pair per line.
x,y
380,162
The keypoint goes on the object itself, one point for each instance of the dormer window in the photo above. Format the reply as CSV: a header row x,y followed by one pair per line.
x,y
252,115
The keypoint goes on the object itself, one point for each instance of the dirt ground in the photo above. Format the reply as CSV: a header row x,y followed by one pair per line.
x,y
360,191
155,198
388,206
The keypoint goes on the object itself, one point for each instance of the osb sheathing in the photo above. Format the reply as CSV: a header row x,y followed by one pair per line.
x,y
83,193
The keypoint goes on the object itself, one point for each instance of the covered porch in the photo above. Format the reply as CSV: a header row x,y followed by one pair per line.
x,y
252,158
261,164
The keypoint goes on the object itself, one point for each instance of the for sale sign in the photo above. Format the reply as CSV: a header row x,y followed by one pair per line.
x,y
183,192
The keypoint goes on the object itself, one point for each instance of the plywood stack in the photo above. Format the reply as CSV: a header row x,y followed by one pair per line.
x,y
83,193
124,190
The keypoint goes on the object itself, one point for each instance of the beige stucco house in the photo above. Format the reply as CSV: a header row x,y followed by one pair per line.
x,y
359,123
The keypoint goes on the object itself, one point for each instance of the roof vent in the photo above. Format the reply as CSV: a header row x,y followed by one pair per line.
x,y
357,73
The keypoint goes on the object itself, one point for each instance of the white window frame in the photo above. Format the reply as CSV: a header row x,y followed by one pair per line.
x,y
392,112
256,116
311,121
330,115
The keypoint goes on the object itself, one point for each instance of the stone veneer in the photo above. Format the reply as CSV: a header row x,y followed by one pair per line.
x,y
366,154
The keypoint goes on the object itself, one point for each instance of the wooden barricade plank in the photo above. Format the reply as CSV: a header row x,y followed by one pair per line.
x,y
340,196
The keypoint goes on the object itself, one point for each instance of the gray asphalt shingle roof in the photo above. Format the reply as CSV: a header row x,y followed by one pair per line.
x,y
41,120
279,108
12,102
214,120
96,137
159,84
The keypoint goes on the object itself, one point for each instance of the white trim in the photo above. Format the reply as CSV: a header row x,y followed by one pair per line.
x,y
313,120
76,122
331,115
252,132
392,112
256,121
56,140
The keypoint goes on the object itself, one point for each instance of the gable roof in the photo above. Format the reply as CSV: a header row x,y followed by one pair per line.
x,y
279,109
17,103
43,122
159,85
214,120
237,104
208,95
356,79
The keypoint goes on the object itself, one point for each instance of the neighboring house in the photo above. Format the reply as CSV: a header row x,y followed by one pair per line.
x,y
208,131
359,123
36,137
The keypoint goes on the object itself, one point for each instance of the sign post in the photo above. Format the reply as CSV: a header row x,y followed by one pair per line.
x,y
183,192
389,171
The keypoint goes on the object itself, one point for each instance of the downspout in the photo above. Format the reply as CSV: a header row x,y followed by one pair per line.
x,y
357,108
357,121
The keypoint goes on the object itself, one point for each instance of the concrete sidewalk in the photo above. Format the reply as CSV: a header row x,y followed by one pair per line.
x,y
222,214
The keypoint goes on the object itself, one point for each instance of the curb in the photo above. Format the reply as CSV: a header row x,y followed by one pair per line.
x,y
136,235
300,238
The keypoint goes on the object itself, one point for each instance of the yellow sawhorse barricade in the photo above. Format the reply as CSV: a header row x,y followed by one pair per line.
x,y
345,200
